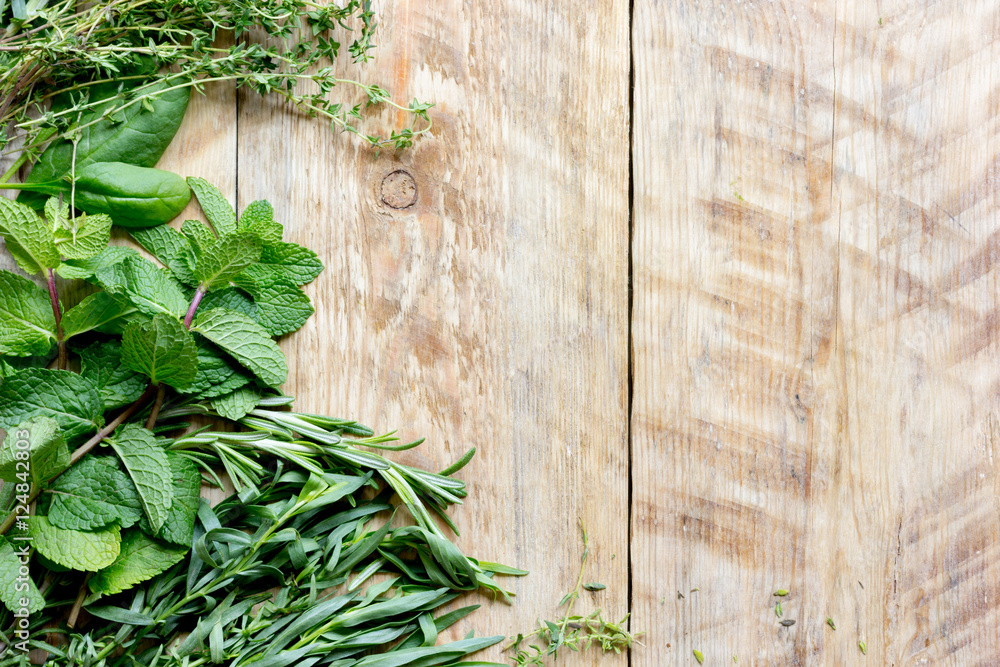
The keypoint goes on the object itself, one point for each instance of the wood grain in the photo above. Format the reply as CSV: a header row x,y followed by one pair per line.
x,y
492,312
815,332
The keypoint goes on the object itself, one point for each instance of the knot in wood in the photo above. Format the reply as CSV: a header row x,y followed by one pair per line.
x,y
399,190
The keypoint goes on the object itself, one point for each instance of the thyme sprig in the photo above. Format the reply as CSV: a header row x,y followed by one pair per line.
x,y
52,58
576,632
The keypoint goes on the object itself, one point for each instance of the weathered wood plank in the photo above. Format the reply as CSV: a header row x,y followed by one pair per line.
x,y
815,331
491,312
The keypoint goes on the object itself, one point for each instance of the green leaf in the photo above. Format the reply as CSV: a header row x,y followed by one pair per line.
x,y
136,136
149,467
258,219
86,269
119,385
35,447
151,289
72,401
29,239
214,204
132,196
429,655
237,404
172,248
281,309
224,259
198,233
15,589
231,299
56,212
282,263
93,494
141,558
246,341
218,374
27,325
75,549
89,238
98,312
178,527
162,350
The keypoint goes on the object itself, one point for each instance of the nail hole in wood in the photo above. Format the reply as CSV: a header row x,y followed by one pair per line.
x,y
399,190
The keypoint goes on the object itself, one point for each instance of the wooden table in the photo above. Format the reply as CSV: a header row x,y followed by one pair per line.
x,y
739,317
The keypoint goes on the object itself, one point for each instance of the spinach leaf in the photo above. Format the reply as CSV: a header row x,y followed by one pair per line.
x,y
132,196
136,136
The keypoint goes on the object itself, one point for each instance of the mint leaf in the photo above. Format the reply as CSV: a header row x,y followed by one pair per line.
x,y
151,289
93,494
86,269
223,260
13,587
282,263
172,248
281,309
99,311
29,239
75,549
83,237
149,467
141,558
258,219
217,375
56,212
178,527
231,299
214,204
162,350
119,385
72,401
246,341
27,325
235,405
35,447
198,233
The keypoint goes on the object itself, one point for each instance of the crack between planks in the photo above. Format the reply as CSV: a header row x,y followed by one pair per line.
x,y
630,289
236,170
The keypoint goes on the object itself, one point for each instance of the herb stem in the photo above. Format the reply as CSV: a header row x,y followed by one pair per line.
x,y
57,313
155,413
198,295
74,613
110,427
579,581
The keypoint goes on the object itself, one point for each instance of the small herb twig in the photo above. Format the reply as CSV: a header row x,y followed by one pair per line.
x,y
579,581
74,613
574,631
154,414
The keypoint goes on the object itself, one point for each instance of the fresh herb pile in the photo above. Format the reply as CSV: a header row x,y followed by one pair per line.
x,y
108,553
114,504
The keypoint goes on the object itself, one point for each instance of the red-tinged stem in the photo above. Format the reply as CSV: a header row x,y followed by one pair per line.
x,y
85,448
57,313
198,295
